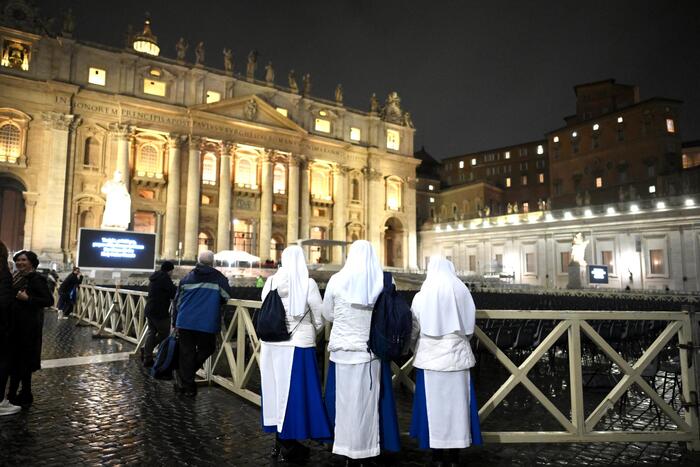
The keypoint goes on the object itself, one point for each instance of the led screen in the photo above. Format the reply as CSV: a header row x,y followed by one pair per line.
x,y
597,274
116,250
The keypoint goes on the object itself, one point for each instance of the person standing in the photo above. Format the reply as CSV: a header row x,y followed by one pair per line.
x,y
292,406
67,292
444,315
197,318
31,297
161,291
353,386
6,331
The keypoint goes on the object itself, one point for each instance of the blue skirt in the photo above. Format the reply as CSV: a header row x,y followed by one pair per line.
x,y
419,421
389,439
305,416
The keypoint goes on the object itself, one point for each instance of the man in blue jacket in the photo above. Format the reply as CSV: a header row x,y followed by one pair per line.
x,y
197,318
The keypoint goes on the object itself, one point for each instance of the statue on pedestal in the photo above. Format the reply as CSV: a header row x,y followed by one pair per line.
x,y
587,198
407,120
515,207
181,49
577,265
374,104
339,94
509,208
579,199
228,61
269,74
199,54
293,82
117,213
252,65
306,83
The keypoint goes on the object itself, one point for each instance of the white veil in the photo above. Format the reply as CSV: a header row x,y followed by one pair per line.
x,y
361,279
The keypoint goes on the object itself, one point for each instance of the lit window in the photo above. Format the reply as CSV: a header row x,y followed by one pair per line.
x,y
278,185
97,76
530,263
432,200
620,120
322,125
245,173
320,180
606,257
523,180
670,125
282,111
393,194
555,139
148,161
596,127
393,140
153,87
652,188
508,182
10,138
213,96
355,134
540,149
526,207
209,169
430,187
656,261
599,182
474,161
574,134
206,199
461,164
507,154
540,177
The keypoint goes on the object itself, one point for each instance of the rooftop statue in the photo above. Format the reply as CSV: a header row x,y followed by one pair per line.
x,y
374,104
391,112
181,49
407,121
516,208
587,198
228,61
252,65
117,213
293,82
199,53
68,23
509,209
578,249
306,82
269,74
339,94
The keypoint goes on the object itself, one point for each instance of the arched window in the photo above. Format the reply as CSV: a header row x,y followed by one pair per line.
x,y
245,173
320,188
209,169
91,156
279,185
355,189
393,194
148,161
10,142
87,219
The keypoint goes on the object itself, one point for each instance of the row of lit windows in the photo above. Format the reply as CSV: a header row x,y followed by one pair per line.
x,y
670,128
490,157
524,179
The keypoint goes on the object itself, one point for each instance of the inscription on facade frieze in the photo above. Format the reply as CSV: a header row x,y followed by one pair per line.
x,y
242,203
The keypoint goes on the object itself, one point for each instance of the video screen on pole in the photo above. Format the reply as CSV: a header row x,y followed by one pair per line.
x,y
116,250
597,274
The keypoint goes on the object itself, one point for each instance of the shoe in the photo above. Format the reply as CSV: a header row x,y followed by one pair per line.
x,y
298,453
61,315
276,448
6,408
23,399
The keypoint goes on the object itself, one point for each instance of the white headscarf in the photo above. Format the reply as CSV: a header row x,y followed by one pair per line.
x,y
444,304
361,279
293,278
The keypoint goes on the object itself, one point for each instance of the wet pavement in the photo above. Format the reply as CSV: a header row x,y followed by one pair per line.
x,y
113,413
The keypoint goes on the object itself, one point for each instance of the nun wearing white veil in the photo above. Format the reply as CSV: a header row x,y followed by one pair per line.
x,y
352,389
292,405
444,315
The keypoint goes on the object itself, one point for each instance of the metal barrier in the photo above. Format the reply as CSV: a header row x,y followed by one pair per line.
x,y
237,359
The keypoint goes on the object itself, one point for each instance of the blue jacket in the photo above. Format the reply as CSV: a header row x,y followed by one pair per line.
x,y
200,297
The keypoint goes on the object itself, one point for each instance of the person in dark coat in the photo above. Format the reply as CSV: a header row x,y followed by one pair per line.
x,y
161,291
65,292
6,351
31,297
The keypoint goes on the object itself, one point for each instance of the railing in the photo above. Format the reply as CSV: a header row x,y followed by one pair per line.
x,y
237,360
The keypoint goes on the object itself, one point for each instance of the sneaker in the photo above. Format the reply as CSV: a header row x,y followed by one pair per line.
x,y
61,315
9,409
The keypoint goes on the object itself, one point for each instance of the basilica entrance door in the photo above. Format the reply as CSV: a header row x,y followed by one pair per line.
x,y
12,213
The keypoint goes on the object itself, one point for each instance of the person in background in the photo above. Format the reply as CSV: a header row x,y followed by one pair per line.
x,y
67,292
444,315
197,319
353,386
292,406
161,291
259,282
6,331
31,296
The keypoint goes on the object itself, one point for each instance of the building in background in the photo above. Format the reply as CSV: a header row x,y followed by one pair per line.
x,y
213,159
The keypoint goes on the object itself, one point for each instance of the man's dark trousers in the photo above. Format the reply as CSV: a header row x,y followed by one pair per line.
x,y
158,329
194,349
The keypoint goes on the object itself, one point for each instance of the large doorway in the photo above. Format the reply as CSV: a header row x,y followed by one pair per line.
x,y
13,213
393,243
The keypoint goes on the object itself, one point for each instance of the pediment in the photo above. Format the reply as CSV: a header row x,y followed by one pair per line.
x,y
250,108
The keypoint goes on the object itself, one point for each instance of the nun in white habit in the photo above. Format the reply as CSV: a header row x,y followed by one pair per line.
x,y
444,315
352,389
292,405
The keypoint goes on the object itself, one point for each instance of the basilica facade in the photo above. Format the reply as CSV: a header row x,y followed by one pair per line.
x,y
213,159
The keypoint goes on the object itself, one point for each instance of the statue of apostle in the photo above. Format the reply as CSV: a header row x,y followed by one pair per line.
x,y
228,60
199,53
181,49
269,74
339,94
117,213
252,65
293,82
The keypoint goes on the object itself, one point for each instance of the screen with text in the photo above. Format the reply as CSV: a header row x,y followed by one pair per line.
x,y
117,250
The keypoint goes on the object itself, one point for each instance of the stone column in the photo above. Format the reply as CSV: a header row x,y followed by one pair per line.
x,y
122,133
339,208
375,208
409,200
305,204
293,200
223,231
30,199
193,201
159,233
266,207
172,202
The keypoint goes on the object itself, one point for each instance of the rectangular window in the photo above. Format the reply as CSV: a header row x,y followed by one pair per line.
x,y
507,155
599,182
540,177
606,258
213,96
355,134
153,87
526,206
574,146
651,171
530,263
540,164
595,142
540,149
97,76
322,125
656,262
507,182
282,111
523,166
474,161
461,164
523,152
670,125
620,134
523,180
499,262
472,263
565,257
393,139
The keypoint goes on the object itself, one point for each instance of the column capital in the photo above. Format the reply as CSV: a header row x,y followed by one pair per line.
x,y
174,140
195,142
121,130
57,120
341,170
269,155
294,160
30,197
372,174
228,148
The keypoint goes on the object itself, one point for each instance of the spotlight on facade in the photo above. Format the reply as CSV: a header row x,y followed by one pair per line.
x,y
660,205
568,216
448,228
634,208
549,217
460,227
610,211
588,213
146,42
690,202
438,229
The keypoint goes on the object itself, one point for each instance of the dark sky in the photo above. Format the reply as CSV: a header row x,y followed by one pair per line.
x,y
474,74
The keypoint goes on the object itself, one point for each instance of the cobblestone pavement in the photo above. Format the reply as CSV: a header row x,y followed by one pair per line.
x,y
115,414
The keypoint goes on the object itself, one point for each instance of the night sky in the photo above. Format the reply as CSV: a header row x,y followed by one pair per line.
x,y
474,74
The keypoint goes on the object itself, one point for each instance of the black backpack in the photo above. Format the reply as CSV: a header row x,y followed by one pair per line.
x,y
270,321
392,321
